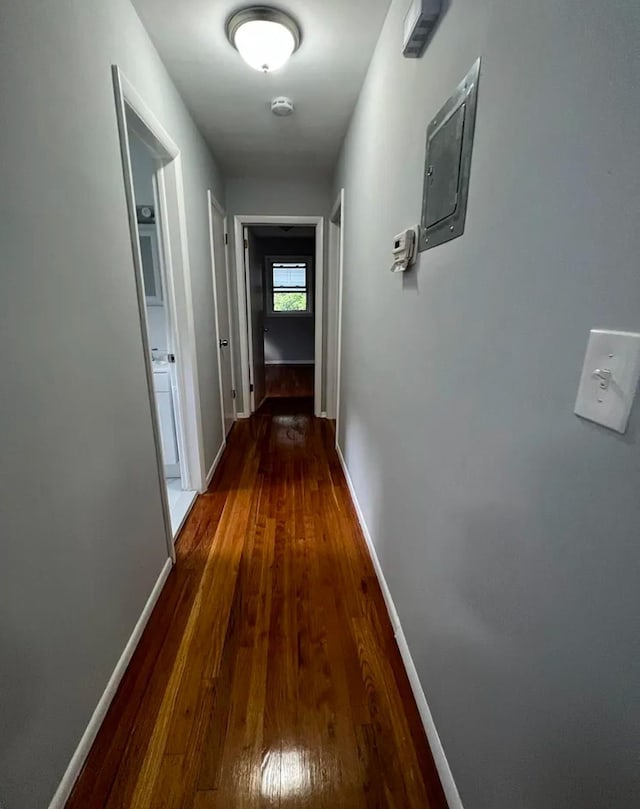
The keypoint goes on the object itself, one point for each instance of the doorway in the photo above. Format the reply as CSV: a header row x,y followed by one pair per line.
x,y
280,269
153,187
280,303
159,325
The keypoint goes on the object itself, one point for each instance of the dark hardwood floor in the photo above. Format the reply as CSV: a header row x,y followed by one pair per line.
x,y
268,675
289,380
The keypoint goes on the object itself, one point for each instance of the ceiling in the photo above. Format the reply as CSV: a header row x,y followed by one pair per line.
x,y
230,102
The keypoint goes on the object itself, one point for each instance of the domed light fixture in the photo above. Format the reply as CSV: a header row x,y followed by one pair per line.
x,y
264,37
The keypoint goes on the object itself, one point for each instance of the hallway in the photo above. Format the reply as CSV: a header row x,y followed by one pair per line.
x,y
268,674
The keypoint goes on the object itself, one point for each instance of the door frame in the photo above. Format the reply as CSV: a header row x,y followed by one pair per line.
x,y
247,280
132,110
215,205
240,221
336,270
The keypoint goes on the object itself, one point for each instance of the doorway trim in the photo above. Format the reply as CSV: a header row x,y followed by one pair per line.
x,y
131,110
241,221
336,270
213,203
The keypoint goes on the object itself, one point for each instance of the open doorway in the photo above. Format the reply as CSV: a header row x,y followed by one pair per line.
x,y
153,187
280,293
160,329
284,257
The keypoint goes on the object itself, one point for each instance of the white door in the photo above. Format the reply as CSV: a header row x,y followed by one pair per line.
x,y
253,263
221,281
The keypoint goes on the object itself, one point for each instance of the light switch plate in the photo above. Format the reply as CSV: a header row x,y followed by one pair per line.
x,y
609,378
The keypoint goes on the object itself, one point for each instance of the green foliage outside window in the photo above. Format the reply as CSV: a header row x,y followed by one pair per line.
x,y
289,301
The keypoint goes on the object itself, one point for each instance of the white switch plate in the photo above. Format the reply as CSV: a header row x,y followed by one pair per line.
x,y
609,378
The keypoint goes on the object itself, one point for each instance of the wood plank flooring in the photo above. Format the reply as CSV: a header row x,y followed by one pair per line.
x,y
289,380
268,675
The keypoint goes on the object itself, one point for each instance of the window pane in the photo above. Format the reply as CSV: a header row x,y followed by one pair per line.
x,y
289,275
289,301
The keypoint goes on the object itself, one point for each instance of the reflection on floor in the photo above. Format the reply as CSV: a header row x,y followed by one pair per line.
x,y
289,380
268,674
179,503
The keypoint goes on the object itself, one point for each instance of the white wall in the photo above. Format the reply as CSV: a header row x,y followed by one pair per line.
x,y
157,325
271,198
83,538
507,528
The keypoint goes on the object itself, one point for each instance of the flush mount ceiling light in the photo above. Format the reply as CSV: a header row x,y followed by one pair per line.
x,y
264,37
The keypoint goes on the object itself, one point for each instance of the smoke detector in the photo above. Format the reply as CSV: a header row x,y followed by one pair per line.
x,y
282,106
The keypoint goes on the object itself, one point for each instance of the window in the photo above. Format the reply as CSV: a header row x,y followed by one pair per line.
x,y
289,286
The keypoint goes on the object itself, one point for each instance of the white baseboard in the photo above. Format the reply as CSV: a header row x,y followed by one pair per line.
x,y
243,415
88,737
442,765
214,466
289,362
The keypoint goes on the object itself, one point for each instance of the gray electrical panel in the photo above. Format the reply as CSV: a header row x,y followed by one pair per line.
x,y
448,165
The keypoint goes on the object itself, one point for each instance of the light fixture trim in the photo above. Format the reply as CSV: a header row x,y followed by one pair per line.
x,y
262,14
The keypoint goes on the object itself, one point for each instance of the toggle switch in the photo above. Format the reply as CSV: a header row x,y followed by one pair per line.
x,y
609,378
604,375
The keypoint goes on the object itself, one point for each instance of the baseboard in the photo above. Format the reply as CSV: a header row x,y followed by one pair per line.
x,y
214,465
289,362
442,765
243,415
88,737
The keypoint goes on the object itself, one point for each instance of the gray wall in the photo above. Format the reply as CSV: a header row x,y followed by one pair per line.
x,y
83,538
507,528
290,338
271,198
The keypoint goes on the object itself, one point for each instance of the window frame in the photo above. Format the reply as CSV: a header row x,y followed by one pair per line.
x,y
308,288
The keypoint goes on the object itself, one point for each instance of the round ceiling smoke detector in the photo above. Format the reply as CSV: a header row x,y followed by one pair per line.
x,y
282,106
